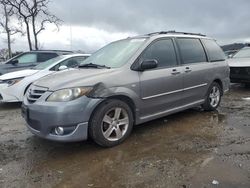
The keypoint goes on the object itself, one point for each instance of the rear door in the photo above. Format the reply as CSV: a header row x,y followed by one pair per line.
x,y
197,70
161,88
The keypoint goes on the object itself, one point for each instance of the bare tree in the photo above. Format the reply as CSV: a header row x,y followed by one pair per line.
x,y
22,14
5,24
35,15
40,16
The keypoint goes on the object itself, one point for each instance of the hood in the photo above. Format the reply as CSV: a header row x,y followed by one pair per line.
x,y
18,74
75,78
239,62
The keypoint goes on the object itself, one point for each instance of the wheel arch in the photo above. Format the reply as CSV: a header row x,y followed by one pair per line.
x,y
26,89
218,81
123,98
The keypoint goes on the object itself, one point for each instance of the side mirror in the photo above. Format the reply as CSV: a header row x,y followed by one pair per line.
x,y
148,64
63,67
14,62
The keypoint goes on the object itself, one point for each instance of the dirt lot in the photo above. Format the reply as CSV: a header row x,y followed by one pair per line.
x,y
188,149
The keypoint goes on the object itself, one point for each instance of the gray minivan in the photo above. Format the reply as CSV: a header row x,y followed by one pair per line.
x,y
126,83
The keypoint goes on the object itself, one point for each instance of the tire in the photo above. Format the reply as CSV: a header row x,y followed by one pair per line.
x,y
111,123
213,97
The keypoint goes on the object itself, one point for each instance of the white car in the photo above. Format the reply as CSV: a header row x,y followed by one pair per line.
x,y
240,66
14,85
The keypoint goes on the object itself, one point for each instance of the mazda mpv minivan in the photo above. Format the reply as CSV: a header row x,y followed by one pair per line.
x,y
126,83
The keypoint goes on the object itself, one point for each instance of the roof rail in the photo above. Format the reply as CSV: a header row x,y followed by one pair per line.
x,y
51,51
175,32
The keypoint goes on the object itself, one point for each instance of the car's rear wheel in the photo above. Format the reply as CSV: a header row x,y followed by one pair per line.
x,y
213,97
111,123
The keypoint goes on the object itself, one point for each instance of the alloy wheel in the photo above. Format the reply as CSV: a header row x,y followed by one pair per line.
x,y
115,124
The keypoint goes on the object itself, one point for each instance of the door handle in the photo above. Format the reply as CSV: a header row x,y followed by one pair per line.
x,y
175,72
188,70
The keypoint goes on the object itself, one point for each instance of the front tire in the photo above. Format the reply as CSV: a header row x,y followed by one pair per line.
x,y
213,97
111,123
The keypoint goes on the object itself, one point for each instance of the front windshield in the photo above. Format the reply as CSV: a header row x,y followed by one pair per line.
x,y
48,63
115,54
244,53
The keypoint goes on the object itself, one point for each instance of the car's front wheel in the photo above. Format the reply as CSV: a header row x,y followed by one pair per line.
x,y
213,97
111,123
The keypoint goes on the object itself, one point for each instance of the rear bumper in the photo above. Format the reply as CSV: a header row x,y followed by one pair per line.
x,y
226,85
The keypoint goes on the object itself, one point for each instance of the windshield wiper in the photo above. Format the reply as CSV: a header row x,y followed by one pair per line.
x,y
92,65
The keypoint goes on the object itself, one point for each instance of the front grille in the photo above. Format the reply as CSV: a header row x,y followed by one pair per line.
x,y
240,70
35,92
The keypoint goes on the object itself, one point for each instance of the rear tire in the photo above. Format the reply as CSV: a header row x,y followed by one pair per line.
x,y
111,123
213,97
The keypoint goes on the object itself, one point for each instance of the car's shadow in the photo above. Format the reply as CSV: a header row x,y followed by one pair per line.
x,y
10,106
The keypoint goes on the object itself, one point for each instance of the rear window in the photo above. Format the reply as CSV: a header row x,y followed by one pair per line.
x,y
215,53
46,56
191,50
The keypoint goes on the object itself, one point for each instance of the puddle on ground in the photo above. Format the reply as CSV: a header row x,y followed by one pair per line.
x,y
188,149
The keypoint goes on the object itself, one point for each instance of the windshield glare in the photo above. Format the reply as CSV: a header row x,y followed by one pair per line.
x,y
115,54
244,53
48,63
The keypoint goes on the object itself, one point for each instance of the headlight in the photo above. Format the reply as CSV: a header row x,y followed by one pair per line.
x,y
65,95
13,81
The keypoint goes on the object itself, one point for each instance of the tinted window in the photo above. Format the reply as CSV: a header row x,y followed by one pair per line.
x,y
215,53
27,58
191,50
163,51
46,56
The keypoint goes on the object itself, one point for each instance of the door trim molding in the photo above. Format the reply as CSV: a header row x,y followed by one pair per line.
x,y
176,91
172,110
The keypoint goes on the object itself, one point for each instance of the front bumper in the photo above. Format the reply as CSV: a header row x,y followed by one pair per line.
x,y
43,117
6,95
237,78
240,74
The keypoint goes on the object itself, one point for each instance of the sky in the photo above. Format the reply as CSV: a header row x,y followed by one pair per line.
x,y
89,25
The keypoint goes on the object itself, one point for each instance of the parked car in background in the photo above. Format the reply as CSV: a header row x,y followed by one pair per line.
x,y
230,53
29,59
240,66
14,85
126,83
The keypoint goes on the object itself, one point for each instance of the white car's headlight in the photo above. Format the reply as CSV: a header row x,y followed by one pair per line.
x,y
13,81
70,94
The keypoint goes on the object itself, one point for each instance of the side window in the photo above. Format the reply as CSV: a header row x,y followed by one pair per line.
x,y
163,51
70,63
27,58
191,50
215,53
46,56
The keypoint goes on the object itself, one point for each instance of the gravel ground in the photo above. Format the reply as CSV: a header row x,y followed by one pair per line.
x,y
188,149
